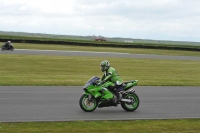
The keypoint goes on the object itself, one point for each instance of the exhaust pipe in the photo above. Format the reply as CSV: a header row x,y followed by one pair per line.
x,y
126,100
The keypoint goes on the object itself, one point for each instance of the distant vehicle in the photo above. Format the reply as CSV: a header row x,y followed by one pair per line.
x,y
7,46
100,39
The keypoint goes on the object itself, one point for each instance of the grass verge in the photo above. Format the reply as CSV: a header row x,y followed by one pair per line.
x,y
41,70
137,126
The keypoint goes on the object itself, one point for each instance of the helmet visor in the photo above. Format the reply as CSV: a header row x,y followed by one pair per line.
x,y
103,68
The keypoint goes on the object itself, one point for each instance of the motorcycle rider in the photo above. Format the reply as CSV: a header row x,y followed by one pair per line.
x,y
110,74
7,44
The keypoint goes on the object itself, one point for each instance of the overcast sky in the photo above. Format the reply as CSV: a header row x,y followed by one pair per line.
x,y
177,20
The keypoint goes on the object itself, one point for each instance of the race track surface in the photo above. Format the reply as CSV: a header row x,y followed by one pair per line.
x,y
22,104
97,54
61,103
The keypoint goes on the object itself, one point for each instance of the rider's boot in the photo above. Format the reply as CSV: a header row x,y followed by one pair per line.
x,y
119,96
119,93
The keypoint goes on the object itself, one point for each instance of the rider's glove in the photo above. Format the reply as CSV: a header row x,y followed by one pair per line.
x,y
101,82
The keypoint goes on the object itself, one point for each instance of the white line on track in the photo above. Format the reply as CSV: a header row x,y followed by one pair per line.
x,y
71,51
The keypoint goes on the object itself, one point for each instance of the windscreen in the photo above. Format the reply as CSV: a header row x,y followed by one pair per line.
x,y
92,80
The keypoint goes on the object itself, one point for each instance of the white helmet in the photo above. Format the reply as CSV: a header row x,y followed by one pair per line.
x,y
9,41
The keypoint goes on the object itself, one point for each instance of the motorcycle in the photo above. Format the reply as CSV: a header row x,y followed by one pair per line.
x,y
96,95
11,47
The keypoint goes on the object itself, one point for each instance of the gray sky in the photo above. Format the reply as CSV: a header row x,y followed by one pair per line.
x,y
177,20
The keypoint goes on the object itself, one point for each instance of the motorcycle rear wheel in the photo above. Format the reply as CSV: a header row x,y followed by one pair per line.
x,y
131,106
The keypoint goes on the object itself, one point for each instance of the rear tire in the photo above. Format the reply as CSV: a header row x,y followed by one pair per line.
x,y
86,105
131,106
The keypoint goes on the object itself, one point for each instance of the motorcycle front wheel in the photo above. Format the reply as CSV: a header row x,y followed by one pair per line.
x,y
133,105
86,105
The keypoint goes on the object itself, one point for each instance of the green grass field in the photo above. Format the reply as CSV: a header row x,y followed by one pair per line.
x,y
135,126
23,70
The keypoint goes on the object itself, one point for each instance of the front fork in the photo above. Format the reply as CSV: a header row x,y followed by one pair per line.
x,y
89,97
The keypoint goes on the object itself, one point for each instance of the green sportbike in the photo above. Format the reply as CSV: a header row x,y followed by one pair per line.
x,y
96,95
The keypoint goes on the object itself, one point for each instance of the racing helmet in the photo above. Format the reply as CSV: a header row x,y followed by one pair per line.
x,y
104,65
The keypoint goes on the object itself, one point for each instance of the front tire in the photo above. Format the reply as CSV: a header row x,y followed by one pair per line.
x,y
11,49
133,105
86,105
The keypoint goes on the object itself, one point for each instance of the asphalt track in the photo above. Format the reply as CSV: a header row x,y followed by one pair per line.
x,y
25,104
97,54
60,103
